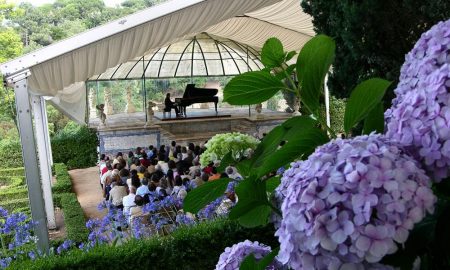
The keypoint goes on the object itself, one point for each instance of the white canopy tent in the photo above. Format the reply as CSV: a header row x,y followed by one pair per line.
x,y
59,71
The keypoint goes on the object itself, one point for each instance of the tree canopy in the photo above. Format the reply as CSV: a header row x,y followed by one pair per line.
x,y
372,36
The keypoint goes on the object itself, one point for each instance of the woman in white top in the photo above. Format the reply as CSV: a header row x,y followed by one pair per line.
x,y
179,191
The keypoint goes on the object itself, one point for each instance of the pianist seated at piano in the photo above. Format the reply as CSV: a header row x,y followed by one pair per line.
x,y
194,95
169,105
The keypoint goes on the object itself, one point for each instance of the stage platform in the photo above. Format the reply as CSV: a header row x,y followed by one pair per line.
x,y
128,131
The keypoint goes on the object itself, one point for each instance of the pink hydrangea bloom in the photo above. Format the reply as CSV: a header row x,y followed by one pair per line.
x,y
233,256
420,115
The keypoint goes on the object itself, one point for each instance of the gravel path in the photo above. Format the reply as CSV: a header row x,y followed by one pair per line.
x,y
86,185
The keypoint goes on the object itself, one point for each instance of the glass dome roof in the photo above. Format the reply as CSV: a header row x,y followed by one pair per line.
x,y
201,55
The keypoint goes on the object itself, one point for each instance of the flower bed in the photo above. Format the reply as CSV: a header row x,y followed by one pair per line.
x,y
196,247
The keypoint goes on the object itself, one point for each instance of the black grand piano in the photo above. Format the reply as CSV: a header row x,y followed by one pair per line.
x,y
193,95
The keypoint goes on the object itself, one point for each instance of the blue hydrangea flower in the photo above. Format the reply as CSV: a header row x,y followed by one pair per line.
x,y
233,256
351,201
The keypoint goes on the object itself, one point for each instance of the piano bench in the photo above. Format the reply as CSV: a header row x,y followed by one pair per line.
x,y
167,110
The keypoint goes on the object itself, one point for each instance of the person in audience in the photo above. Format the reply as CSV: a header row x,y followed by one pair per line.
x,y
107,187
144,161
156,181
152,167
183,153
226,204
170,179
124,175
138,152
128,201
141,170
208,169
232,173
130,159
117,192
179,191
106,174
136,164
164,190
205,177
135,181
136,211
198,181
118,157
214,174
143,189
164,166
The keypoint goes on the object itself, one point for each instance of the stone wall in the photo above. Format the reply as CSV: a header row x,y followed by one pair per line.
x,y
113,140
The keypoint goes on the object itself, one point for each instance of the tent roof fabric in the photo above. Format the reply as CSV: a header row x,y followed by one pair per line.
x,y
60,70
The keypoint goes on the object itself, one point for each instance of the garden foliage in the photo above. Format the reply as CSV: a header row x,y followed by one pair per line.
x,y
75,146
196,247
359,202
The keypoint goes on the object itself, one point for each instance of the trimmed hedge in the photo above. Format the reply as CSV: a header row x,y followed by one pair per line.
x,y
196,247
64,198
12,181
10,153
73,218
75,146
13,193
20,171
63,183
11,205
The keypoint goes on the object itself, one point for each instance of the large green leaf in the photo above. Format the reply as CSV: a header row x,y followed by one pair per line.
x,y
313,63
251,88
199,197
289,132
272,53
297,148
364,98
250,263
253,208
375,120
226,161
272,183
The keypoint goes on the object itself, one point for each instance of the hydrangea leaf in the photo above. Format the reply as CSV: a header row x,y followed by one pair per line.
x,y
251,88
298,148
375,120
253,208
272,53
199,197
225,162
364,98
313,63
273,183
289,131
250,263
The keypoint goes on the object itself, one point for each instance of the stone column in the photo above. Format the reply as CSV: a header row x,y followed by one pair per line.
x,y
108,101
130,106
92,103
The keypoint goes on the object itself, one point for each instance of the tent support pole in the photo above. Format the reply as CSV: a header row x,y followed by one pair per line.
x,y
145,99
41,130
47,133
30,160
327,101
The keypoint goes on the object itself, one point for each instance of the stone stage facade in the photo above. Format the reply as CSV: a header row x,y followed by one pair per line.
x,y
127,137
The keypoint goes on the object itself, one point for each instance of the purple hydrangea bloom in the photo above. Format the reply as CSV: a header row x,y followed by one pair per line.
x,y
420,115
350,202
233,256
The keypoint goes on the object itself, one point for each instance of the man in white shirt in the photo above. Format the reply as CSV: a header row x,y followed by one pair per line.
x,y
143,189
128,201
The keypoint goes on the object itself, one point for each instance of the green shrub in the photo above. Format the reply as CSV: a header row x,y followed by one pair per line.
x,y
196,247
11,205
73,218
13,193
12,172
75,146
10,153
63,183
337,111
12,181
